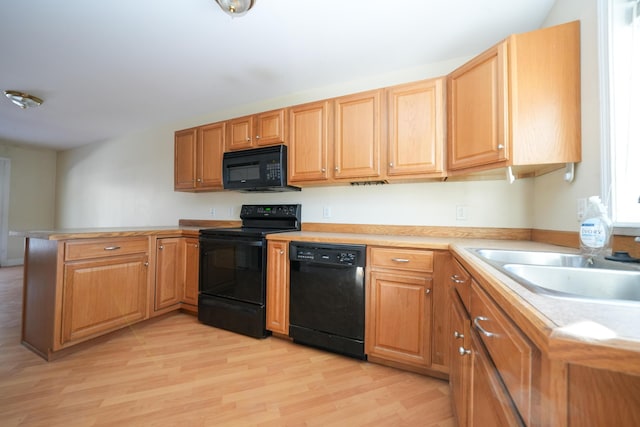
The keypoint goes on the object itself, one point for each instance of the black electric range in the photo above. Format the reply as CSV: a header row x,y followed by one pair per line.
x,y
233,261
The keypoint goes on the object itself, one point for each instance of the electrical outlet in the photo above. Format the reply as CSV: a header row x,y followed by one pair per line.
x,y
326,212
461,213
581,208
231,211
212,211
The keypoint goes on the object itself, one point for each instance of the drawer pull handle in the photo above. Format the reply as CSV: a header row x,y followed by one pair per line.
x,y
456,279
403,260
483,331
457,335
112,248
463,351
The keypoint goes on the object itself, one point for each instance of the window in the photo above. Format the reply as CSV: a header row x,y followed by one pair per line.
x,y
620,77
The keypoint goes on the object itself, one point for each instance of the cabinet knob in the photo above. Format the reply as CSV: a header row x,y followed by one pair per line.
x,y
161,247
457,335
427,291
391,164
248,139
337,169
500,146
257,136
323,169
463,351
281,252
196,246
146,263
198,180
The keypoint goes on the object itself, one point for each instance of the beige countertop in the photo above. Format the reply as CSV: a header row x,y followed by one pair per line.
x,y
89,233
596,333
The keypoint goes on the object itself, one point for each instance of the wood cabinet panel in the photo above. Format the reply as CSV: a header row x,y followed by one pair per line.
x,y
310,142
358,135
510,350
209,156
598,397
198,158
184,167
461,282
192,271
102,295
267,128
404,259
399,318
517,104
278,287
416,141
169,272
489,404
477,121
460,367
98,248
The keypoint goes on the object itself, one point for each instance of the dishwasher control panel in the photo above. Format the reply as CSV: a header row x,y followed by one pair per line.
x,y
347,255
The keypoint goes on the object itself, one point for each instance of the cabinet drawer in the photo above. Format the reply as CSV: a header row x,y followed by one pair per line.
x,y
511,352
98,248
404,259
461,282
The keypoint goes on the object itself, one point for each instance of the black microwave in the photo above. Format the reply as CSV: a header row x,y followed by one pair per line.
x,y
256,170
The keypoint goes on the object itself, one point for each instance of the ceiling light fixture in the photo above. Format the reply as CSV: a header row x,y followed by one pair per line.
x,y
22,100
236,7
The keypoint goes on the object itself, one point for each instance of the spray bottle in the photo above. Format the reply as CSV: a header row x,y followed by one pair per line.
x,y
595,229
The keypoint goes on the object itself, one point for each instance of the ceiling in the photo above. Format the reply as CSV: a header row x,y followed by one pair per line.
x,y
110,68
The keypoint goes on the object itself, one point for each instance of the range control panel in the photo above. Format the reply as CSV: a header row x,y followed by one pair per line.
x,y
271,211
346,255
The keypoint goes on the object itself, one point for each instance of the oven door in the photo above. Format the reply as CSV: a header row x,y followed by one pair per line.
x,y
233,267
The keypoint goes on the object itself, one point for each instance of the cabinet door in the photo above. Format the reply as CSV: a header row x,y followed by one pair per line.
x,y
169,272
460,366
278,287
309,142
239,133
357,143
399,318
185,159
209,158
477,111
191,271
102,295
490,404
416,129
270,127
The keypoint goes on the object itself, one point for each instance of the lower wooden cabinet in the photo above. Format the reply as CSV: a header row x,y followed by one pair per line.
x,y
169,272
460,364
192,269
399,306
278,287
176,284
103,295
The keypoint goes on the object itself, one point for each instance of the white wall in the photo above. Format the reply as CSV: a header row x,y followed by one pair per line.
x,y
31,194
555,202
129,181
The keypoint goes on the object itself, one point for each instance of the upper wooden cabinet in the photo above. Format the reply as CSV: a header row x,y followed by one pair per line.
x,y
337,140
358,136
257,130
198,158
517,104
416,122
310,142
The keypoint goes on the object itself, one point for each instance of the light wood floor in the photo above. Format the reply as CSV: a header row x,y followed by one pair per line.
x,y
175,371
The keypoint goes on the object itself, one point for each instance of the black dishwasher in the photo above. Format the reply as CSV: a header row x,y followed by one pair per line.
x,y
326,300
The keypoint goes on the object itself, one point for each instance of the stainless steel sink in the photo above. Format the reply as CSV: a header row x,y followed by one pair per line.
x,y
590,283
568,275
532,257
